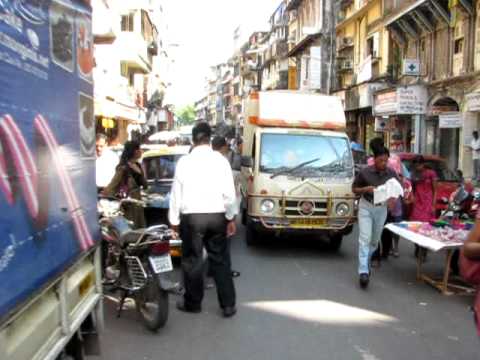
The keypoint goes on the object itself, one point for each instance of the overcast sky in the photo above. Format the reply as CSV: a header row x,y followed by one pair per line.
x,y
204,32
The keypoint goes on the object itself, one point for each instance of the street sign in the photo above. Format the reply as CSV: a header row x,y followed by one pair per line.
x,y
411,67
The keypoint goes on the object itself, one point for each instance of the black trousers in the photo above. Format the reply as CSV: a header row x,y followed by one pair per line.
x,y
209,231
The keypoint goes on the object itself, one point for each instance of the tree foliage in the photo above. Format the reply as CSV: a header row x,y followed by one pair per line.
x,y
186,115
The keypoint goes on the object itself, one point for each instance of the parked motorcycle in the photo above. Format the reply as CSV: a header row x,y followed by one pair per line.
x,y
137,262
463,204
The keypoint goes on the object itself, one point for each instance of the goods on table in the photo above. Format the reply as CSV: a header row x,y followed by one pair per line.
x,y
447,234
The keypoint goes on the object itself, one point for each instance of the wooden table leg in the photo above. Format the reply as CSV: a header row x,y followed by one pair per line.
x,y
446,273
420,255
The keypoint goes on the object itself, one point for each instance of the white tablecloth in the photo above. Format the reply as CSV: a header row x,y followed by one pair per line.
x,y
421,240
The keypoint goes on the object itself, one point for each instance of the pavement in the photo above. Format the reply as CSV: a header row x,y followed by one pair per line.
x,y
297,300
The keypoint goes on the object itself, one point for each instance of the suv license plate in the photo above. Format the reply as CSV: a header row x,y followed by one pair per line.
x,y
301,223
161,264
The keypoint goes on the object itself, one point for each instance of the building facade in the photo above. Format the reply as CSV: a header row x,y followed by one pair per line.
x,y
430,105
310,37
130,57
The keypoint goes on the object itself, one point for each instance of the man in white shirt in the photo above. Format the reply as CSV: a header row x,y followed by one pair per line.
x,y
475,145
203,209
106,162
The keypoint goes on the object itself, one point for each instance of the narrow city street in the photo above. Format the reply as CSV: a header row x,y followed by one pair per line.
x,y
296,300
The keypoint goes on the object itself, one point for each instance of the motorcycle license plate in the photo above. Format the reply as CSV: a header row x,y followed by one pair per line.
x,y
161,264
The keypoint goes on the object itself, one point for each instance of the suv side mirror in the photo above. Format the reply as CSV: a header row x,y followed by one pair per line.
x,y
247,161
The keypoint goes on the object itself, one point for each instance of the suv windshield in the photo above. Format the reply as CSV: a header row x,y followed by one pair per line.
x,y
161,167
306,156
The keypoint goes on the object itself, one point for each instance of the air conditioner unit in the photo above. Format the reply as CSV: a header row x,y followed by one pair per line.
x,y
347,41
347,65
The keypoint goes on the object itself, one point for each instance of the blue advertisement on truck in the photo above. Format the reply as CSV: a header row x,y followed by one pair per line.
x,y
48,215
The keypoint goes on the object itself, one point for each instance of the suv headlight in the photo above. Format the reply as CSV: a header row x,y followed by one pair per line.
x,y
343,209
267,206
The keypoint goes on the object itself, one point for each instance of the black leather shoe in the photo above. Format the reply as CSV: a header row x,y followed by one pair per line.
x,y
182,307
235,273
364,280
229,311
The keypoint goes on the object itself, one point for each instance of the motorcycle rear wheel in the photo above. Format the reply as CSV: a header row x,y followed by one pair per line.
x,y
152,304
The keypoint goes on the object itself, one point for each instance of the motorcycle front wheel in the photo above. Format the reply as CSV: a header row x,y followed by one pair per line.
x,y
152,304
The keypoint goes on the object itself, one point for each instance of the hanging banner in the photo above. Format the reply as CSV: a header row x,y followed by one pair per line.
x,y
365,70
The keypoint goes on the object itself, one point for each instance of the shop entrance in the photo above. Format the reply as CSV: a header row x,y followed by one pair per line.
x,y
443,142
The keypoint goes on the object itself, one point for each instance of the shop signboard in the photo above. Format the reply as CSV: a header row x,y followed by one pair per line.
x,y
473,101
450,120
411,67
385,103
381,123
411,100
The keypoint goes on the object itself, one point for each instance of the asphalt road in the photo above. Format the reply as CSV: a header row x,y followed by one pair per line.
x,y
298,301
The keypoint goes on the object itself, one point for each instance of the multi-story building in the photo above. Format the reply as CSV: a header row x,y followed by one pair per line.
x,y
275,65
227,92
129,64
432,103
310,39
201,107
361,63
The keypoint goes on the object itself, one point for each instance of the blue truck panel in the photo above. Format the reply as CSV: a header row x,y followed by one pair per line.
x,y
48,199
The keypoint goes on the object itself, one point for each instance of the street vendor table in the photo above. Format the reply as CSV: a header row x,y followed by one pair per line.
x,y
444,285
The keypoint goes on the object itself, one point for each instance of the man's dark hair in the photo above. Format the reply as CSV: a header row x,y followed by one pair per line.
x,y
475,133
380,151
376,144
100,136
218,142
201,133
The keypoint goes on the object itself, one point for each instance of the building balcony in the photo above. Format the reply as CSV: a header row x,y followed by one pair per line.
x,y
344,43
344,18
132,49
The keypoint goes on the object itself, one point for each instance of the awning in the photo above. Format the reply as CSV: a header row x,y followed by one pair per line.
x,y
302,44
422,17
113,109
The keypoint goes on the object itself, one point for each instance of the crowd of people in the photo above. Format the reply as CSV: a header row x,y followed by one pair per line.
x,y
205,220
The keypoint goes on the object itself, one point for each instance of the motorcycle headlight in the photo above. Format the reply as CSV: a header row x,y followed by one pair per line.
x,y
267,206
342,209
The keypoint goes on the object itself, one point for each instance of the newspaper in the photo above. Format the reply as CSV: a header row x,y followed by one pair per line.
x,y
392,189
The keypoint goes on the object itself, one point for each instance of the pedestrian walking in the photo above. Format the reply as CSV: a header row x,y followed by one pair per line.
x,y
129,180
105,163
219,143
202,210
395,164
371,216
475,146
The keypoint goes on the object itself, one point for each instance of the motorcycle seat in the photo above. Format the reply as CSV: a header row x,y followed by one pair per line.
x,y
131,236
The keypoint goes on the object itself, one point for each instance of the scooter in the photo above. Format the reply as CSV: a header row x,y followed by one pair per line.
x,y
137,262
